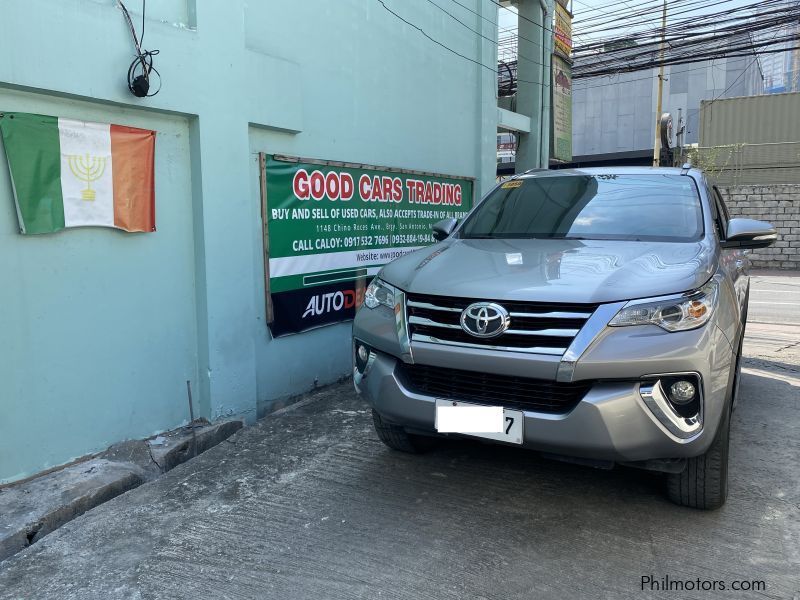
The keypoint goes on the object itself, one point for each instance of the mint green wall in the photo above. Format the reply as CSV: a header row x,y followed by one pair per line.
x,y
100,328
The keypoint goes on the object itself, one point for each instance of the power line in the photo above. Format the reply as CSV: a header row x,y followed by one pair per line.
x,y
690,23
611,60
474,12
457,20
601,11
609,57
727,89
691,20
580,81
435,41
451,50
625,16
730,52
699,42
446,47
605,13
650,14
519,16
696,22
605,7
496,72
478,33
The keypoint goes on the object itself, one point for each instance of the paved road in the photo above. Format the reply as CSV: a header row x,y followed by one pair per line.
x,y
308,504
775,298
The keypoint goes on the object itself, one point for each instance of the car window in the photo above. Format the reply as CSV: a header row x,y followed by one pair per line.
x,y
722,212
647,207
723,205
712,202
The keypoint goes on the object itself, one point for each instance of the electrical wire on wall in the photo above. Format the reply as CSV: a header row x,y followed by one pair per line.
x,y
142,67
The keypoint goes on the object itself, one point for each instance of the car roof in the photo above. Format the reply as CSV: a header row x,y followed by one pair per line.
x,y
607,171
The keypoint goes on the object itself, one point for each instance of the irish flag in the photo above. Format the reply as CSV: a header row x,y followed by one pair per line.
x,y
68,173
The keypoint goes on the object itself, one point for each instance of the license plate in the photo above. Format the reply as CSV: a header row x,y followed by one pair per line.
x,y
510,426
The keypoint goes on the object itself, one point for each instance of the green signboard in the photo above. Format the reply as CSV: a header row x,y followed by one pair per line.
x,y
330,226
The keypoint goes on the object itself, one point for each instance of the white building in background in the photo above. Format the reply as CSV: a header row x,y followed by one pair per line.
x,y
782,69
613,117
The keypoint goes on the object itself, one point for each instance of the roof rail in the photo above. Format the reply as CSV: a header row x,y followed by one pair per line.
x,y
516,175
685,168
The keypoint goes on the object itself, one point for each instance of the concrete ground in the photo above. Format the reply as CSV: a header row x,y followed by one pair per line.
x,y
309,504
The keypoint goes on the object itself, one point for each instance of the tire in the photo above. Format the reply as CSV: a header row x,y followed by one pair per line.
x,y
399,439
703,483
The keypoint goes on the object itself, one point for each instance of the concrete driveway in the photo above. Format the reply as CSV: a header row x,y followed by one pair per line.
x,y
309,504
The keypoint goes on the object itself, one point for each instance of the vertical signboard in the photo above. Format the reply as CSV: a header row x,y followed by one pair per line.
x,y
561,110
561,75
562,31
329,226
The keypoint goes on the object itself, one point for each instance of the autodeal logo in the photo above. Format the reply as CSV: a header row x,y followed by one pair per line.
x,y
322,304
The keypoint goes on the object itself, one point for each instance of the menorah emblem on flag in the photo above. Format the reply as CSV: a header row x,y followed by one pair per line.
x,y
87,168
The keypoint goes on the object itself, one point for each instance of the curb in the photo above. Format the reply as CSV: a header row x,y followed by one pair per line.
x,y
44,504
183,446
35,507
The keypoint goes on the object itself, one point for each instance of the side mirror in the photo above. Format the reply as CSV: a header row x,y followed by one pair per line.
x,y
749,233
443,229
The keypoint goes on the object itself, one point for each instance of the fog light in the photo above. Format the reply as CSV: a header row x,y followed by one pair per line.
x,y
682,392
362,357
363,354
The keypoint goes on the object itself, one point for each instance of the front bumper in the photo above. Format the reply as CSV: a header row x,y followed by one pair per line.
x,y
611,422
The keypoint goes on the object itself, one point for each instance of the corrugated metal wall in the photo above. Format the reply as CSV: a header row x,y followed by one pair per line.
x,y
750,140
750,120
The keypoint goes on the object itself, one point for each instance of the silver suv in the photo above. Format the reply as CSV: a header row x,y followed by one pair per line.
x,y
594,315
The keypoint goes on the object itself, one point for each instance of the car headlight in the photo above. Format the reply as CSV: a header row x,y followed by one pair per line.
x,y
379,293
677,314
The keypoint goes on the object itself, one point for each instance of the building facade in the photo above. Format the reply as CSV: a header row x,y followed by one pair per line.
x,y
614,117
102,329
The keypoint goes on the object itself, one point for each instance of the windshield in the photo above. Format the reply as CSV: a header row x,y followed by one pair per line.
x,y
598,207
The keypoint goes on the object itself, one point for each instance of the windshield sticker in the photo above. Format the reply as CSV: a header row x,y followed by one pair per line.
x,y
512,184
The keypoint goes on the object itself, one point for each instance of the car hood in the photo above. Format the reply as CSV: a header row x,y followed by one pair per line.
x,y
591,271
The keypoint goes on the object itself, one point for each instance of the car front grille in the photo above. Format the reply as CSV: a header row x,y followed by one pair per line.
x,y
536,327
519,393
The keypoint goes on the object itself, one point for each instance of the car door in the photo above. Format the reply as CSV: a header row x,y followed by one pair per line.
x,y
735,261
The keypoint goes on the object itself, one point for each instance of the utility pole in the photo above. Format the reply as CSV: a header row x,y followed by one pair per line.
x,y
657,143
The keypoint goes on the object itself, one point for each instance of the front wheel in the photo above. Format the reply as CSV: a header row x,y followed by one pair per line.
x,y
703,483
398,438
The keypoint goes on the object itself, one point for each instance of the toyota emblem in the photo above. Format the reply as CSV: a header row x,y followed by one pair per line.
x,y
485,319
